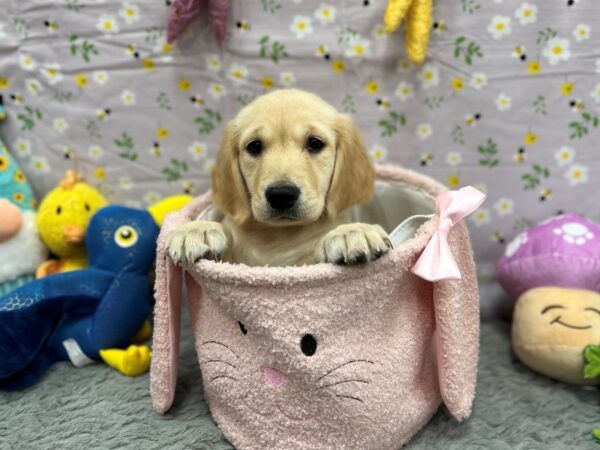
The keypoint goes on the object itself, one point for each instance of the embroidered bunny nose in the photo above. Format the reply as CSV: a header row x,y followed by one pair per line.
x,y
274,377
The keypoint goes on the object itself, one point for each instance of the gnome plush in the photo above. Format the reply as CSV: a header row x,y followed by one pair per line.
x,y
21,249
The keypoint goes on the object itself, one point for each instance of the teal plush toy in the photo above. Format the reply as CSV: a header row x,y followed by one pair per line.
x,y
21,249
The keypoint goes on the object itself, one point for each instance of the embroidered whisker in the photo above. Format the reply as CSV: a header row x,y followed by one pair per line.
x,y
219,361
223,376
343,365
342,382
221,344
350,397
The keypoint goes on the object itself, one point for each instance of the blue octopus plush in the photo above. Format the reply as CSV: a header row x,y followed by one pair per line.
x,y
75,316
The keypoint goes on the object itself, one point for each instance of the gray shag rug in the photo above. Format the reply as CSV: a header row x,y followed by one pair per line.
x,y
95,407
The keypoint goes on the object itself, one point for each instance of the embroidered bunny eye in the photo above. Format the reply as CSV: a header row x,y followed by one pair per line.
x,y
243,328
308,344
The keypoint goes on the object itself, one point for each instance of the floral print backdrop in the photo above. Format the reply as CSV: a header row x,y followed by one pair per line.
x,y
508,99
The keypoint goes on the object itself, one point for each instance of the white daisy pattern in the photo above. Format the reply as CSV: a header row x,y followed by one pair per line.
x,y
52,73
39,165
128,97
424,130
454,159
34,86
130,13
404,91
504,206
213,62
95,152
582,32
564,156
378,153
22,146
107,24
526,13
325,14
217,90
238,74
499,27
596,93
198,150
577,174
358,47
478,81
429,76
503,102
556,50
481,216
287,79
60,124
27,62
100,77
301,26
126,183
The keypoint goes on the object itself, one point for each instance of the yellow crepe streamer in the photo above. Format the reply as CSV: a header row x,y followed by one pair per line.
x,y
417,15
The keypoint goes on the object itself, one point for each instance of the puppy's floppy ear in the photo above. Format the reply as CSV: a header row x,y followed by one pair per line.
x,y
228,187
354,176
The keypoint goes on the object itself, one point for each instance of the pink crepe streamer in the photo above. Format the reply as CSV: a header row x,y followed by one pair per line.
x,y
183,12
437,262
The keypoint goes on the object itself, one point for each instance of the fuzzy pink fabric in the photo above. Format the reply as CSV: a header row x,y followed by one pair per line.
x,y
390,347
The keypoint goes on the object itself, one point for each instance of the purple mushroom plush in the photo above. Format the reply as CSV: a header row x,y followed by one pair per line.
x,y
553,269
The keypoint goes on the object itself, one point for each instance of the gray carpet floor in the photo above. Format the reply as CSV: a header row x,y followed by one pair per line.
x,y
95,407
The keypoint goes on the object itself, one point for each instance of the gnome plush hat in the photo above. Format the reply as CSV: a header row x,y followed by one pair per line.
x,y
183,12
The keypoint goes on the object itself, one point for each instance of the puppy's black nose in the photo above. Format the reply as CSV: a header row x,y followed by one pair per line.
x,y
282,196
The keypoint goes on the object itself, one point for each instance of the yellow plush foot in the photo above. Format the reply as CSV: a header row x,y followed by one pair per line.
x,y
132,362
144,334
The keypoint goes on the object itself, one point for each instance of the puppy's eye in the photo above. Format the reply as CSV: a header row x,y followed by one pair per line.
x,y
254,147
308,344
243,328
314,144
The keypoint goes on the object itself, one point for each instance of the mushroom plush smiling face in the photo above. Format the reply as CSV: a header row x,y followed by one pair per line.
x,y
552,326
554,270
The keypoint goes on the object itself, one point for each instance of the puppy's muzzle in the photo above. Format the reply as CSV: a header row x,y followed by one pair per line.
x,y
282,196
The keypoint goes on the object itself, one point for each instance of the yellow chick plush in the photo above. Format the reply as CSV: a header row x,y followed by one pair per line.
x,y
62,219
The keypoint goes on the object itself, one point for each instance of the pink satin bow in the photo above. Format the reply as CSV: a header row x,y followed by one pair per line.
x,y
436,262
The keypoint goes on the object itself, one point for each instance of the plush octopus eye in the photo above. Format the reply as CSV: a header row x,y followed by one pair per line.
x,y
126,236
308,344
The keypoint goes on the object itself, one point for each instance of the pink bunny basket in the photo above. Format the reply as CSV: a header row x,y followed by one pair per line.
x,y
332,357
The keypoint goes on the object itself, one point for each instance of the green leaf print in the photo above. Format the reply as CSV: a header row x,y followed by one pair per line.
x,y
126,143
209,121
389,126
539,105
457,134
163,101
276,52
63,97
92,128
522,224
74,5
434,101
153,34
176,171
270,5
545,35
470,6
348,104
582,128
469,52
85,48
534,178
29,117
244,99
488,154
21,27
345,34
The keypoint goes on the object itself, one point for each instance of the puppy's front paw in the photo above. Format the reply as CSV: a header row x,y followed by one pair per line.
x,y
354,243
196,240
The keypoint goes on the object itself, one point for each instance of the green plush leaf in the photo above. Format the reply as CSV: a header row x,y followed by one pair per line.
x,y
596,435
591,353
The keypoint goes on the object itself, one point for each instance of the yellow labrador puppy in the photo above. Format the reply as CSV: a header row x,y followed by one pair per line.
x,y
289,168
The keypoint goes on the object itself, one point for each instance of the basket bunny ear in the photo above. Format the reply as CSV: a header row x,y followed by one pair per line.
x,y
167,310
183,12
447,261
